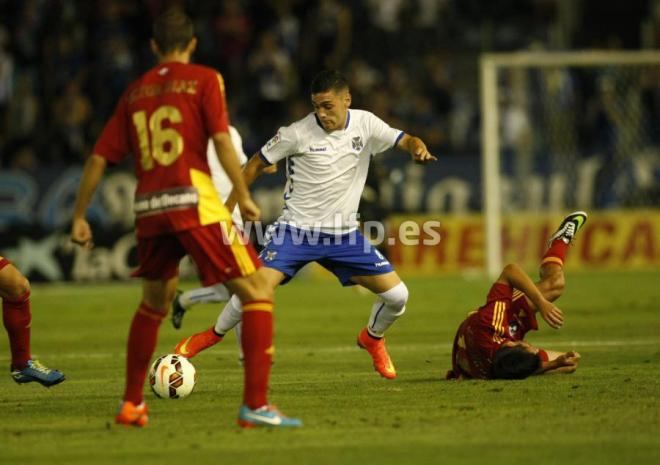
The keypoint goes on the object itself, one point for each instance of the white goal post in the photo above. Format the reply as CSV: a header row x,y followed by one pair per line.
x,y
490,65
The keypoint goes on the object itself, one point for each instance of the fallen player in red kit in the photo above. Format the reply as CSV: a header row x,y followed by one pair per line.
x,y
489,343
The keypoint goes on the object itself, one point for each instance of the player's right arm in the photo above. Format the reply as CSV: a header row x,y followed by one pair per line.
x,y
516,277
81,233
112,145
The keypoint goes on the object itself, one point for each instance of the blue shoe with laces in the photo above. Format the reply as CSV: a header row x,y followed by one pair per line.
x,y
35,371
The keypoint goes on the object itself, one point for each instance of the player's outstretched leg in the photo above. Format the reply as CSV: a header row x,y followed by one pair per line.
x,y
390,306
185,300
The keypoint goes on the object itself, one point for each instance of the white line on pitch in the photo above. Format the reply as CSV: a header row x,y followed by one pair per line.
x,y
400,348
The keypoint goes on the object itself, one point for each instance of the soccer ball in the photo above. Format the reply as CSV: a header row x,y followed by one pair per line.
x,y
172,376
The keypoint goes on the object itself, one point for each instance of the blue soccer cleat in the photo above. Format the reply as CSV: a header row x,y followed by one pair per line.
x,y
267,416
35,371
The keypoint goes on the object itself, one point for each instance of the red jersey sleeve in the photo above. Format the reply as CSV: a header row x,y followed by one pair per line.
x,y
214,105
113,144
499,291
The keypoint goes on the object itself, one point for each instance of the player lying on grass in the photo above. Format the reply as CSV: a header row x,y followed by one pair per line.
x,y
327,157
489,344
17,318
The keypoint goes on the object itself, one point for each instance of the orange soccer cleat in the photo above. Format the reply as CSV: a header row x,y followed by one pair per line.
x,y
132,415
378,351
194,344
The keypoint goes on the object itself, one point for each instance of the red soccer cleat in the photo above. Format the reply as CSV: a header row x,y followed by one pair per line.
x,y
194,344
378,351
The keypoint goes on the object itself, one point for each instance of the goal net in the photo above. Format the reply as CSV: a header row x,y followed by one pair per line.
x,y
567,131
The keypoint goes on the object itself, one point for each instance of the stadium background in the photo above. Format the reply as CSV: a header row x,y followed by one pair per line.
x,y
63,65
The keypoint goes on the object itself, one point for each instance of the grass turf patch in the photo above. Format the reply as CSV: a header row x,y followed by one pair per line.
x,y
607,412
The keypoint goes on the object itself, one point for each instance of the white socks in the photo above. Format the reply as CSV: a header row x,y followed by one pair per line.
x,y
230,316
204,295
390,306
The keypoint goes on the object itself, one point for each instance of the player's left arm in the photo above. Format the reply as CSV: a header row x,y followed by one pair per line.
x,y
254,168
559,362
229,162
551,360
416,148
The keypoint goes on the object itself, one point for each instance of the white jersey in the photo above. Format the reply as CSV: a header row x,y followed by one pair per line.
x,y
325,171
220,179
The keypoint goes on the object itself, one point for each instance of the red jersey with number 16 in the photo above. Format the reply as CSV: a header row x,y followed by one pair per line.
x,y
165,119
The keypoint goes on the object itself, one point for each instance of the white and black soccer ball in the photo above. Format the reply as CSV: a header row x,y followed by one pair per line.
x,y
172,376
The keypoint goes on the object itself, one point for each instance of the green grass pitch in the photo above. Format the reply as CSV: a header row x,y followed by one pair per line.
x,y
606,413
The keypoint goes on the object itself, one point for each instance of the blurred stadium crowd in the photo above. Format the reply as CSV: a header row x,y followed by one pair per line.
x,y
63,64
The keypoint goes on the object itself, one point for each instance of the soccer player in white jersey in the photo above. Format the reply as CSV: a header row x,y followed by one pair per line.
x,y
327,156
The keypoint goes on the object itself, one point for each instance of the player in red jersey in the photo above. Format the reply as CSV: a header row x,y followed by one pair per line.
x,y
490,342
165,120
17,318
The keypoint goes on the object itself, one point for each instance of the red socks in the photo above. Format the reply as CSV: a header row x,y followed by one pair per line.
x,y
556,253
17,317
257,343
142,340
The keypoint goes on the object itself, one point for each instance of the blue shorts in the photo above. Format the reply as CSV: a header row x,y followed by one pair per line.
x,y
288,249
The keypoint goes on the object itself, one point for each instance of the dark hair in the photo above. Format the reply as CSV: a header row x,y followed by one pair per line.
x,y
514,363
329,79
173,30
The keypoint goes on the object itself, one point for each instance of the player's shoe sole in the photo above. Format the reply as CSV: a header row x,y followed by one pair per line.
x,y
571,224
191,346
177,310
376,348
132,415
38,373
267,416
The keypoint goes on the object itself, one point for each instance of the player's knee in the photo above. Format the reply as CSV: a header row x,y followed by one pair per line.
x,y
397,296
256,288
17,288
158,302
159,306
260,294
